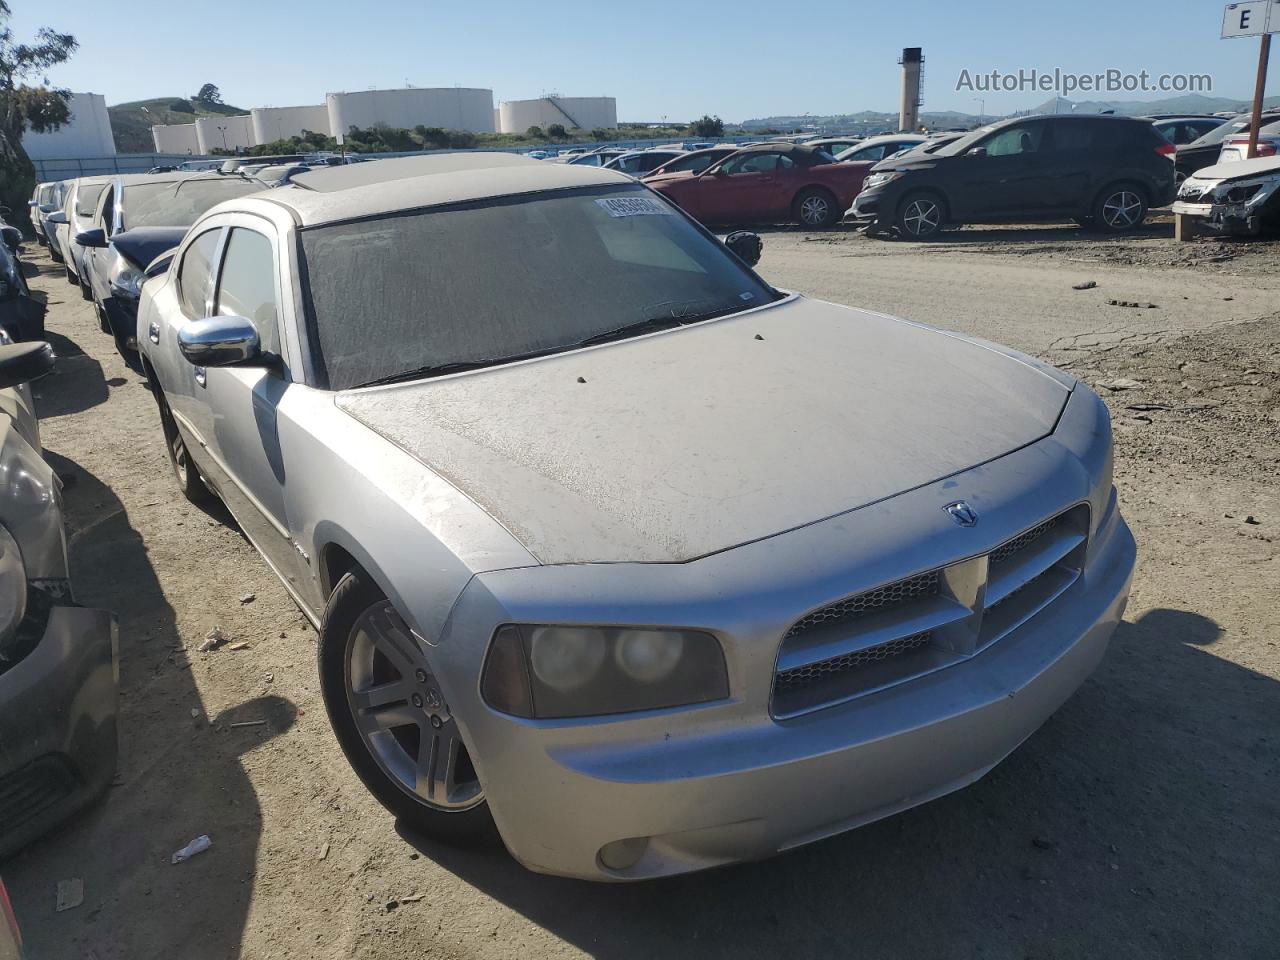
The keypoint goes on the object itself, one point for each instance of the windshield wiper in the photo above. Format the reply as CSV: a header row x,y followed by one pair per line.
x,y
653,323
434,370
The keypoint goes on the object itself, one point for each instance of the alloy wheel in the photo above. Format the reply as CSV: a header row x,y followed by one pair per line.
x,y
401,714
178,451
922,217
814,211
1122,210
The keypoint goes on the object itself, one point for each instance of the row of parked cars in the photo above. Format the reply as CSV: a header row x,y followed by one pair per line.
x,y
447,398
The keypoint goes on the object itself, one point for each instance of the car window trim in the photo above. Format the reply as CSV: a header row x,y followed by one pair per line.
x,y
216,276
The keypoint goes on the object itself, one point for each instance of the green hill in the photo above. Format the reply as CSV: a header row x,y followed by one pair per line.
x,y
131,122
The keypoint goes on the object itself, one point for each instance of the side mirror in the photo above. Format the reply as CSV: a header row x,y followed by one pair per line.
x,y
58,218
977,152
23,362
96,237
12,237
719,172
48,208
219,342
746,245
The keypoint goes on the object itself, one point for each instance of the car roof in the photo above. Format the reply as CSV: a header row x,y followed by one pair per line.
x,y
408,183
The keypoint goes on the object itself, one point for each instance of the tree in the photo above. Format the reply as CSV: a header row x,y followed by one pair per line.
x,y
600,133
557,132
535,133
26,107
707,126
208,94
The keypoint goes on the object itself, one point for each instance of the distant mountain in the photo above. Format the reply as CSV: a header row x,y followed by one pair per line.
x,y
131,122
865,121
1191,103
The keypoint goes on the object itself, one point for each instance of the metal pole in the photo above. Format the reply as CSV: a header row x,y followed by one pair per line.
x,y
1264,55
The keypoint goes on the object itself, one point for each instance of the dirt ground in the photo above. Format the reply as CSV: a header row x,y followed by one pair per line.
x,y
1140,821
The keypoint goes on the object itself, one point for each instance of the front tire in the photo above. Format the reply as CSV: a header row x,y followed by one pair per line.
x,y
391,717
71,277
184,471
920,216
1120,208
815,208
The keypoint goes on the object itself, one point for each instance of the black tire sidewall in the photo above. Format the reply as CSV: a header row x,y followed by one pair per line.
x,y
355,593
1100,223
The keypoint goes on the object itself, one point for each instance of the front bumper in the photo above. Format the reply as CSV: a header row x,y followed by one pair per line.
x,y
867,205
57,724
22,318
122,317
727,782
1233,219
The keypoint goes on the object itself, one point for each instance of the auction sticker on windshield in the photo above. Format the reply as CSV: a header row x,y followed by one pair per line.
x,y
634,207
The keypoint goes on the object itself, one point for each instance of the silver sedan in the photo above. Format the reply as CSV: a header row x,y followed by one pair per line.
x,y
611,544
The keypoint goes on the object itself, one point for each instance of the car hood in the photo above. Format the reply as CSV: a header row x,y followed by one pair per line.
x,y
1240,169
687,442
143,244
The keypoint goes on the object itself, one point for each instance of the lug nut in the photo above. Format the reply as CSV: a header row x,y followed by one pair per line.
x,y
417,700
436,722
421,675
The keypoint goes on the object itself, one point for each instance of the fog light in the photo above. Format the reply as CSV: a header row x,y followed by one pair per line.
x,y
623,854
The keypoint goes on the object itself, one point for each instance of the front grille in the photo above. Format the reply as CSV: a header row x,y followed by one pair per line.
x,y
31,790
924,585
928,621
1006,551
802,676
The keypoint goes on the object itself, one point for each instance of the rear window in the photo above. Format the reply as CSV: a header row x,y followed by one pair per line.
x,y
488,282
179,203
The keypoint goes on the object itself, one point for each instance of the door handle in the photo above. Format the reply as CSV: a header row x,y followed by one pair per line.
x,y
201,378
153,332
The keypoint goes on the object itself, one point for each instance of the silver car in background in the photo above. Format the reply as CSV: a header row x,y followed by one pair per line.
x,y
609,542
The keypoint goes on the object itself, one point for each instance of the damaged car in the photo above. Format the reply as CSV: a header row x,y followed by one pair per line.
x,y
1238,198
59,662
21,315
139,217
608,542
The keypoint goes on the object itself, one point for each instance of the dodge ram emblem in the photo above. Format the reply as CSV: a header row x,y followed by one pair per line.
x,y
962,513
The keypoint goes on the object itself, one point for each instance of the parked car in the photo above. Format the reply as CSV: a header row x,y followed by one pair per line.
x,y
1180,130
1239,197
597,158
280,174
1102,171
1205,152
58,660
546,598
693,162
46,199
875,149
76,216
772,182
1236,146
21,315
10,935
138,218
640,163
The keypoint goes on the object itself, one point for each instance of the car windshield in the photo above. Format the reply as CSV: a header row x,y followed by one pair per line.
x,y
1220,133
963,143
178,203
480,283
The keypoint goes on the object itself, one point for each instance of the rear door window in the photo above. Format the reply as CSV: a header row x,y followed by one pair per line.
x,y
193,274
1072,136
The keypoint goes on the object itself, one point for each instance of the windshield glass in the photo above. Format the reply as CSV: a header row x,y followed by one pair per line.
x,y
480,283
965,142
1220,133
178,203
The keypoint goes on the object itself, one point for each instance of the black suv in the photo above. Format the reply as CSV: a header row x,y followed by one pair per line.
x,y
1101,171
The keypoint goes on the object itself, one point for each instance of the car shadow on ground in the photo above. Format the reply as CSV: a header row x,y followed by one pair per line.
x,y
75,384
180,769
1139,821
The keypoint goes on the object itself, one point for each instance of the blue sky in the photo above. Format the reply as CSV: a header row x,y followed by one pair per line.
x,y
662,59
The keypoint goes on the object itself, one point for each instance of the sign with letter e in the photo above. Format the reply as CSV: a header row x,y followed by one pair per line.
x,y
1251,18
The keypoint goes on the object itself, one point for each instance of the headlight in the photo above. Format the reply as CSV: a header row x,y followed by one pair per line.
x,y
125,279
554,672
880,179
13,589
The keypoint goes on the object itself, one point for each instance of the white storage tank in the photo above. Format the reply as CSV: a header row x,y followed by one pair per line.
x,y
224,133
279,123
175,138
87,134
584,113
452,108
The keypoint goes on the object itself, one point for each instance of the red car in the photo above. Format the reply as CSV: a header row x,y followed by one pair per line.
x,y
771,182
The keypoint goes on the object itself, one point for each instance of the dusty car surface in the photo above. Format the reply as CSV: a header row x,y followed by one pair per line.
x,y
58,660
1239,197
608,542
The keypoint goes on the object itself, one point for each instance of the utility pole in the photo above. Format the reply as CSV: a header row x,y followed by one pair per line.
x,y
1259,89
1254,18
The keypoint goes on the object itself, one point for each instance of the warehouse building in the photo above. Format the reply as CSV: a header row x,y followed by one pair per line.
x,y
279,123
453,108
87,134
584,113
224,133
175,138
